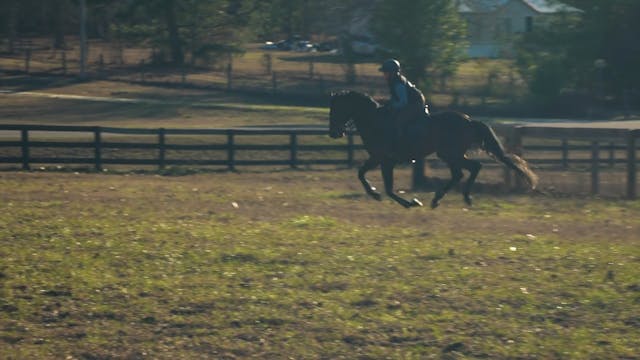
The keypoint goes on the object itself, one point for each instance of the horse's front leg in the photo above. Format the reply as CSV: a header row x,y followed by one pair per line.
x,y
371,190
387,176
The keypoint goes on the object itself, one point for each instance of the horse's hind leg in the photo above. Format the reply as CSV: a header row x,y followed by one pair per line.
x,y
474,167
369,165
456,176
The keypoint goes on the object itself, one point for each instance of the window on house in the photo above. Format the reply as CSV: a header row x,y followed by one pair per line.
x,y
528,24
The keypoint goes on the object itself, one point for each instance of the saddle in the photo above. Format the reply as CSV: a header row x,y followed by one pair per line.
x,y
408,134
421,117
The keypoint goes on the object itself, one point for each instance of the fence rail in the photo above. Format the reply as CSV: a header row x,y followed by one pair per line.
x,y
592,143
228,145
616,139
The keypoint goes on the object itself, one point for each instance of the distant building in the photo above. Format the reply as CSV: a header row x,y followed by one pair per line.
x,y
492,24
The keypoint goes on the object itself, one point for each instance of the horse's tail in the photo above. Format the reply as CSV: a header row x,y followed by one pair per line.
x,y
491,144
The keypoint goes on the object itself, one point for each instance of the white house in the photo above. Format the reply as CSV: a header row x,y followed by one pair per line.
x,y
492,24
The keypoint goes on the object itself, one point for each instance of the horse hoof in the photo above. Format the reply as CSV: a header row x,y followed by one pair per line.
x,y
468,200
435,203
416,202
376,196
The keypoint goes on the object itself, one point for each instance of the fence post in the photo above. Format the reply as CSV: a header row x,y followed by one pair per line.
x,y
27,60
25,149
97,144
293,148
350,73
64,62
322,85
101,65
83,39
631,164
231,162
506,170
595,162
274,82
612,154
350,150
565,153
268,63
161,149
518,149
229,75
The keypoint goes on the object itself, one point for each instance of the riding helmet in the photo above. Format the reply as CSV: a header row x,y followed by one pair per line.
x,y
390,66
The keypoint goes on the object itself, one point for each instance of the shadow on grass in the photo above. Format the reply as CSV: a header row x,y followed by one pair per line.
x,y
81,111
19,81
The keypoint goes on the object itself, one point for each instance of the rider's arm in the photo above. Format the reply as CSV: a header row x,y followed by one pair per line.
x,y
402,96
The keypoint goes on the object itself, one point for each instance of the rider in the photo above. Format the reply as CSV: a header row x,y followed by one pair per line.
x,y
407,102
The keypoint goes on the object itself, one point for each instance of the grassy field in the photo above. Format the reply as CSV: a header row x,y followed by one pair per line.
x,y
295,264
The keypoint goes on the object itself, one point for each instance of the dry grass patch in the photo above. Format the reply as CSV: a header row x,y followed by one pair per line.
x,y
277,264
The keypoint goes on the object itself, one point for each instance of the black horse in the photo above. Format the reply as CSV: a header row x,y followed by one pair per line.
x,y
448,134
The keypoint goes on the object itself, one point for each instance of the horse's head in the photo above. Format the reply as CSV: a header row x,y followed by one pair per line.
x,y
345,107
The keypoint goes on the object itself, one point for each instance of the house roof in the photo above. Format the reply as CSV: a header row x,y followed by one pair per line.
x,y
487,6
479,6
549,7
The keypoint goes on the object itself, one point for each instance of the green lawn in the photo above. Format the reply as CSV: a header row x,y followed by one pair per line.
x,y
295,264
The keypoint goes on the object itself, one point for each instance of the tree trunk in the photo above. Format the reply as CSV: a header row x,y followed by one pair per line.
x,y
58,24
83,39
12,24
175,43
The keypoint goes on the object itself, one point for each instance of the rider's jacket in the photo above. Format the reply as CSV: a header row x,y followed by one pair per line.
x,y
404,93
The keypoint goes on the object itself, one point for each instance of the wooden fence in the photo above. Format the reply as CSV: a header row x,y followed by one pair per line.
x,y
539,145
599,139
229,146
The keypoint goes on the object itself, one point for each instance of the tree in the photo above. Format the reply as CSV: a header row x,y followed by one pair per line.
x,y
216,28
427,36
169,9
598,48
273,18
8,17
83,38
181,26
59,12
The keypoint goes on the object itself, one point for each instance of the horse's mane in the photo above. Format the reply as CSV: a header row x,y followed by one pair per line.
x,y
355,95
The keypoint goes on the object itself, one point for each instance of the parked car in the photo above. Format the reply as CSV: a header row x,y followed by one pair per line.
x,y
295,44
284,45
327,46
269,45
304,46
